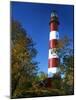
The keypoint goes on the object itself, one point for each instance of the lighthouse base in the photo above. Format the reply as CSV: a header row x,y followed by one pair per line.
x,y
54,82
49,82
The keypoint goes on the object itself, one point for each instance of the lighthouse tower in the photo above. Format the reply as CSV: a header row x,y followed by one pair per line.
x,y
53,58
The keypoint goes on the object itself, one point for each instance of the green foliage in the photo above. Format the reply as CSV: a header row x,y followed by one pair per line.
x,y
42,76
23,66
69,75
66,66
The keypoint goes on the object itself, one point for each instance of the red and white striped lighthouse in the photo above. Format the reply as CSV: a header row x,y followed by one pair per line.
x,y
53,58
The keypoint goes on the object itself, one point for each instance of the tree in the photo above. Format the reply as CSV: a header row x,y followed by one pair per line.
x,y
23,66
66,66
42,75
69,75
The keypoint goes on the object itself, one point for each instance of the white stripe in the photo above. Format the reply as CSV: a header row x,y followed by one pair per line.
x,y
52,54
54,35
52,70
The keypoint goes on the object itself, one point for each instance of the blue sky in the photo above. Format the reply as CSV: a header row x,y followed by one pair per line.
x,y
35,18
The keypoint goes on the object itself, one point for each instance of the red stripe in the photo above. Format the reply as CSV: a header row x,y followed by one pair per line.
x,y
53,62
53,43
53,26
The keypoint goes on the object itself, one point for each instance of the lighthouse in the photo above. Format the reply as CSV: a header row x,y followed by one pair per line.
x,y
53,58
